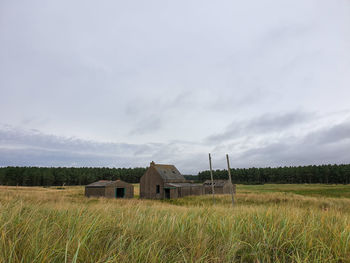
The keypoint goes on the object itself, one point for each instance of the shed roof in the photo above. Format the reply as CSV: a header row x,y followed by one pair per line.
x,y
168,172
101,183
216,182
182,185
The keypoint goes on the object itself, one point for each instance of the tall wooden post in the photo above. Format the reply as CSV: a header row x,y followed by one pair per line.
x,y
229,176
212,180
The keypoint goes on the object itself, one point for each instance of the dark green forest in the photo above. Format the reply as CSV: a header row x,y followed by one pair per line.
x,y
42,176
312,174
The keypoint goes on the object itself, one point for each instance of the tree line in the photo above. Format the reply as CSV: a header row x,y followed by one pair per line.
x,y
43,176
312,174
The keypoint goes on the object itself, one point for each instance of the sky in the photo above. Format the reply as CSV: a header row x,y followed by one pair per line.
x,y
122,83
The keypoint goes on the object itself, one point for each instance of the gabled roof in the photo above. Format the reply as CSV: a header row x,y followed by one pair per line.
x,y
168,172
101,183
216,182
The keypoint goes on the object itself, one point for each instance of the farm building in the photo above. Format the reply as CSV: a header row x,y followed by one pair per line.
x,y
165,181
220,187
110,189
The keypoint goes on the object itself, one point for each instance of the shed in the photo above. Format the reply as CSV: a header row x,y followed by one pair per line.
x,y
220,187
183,189
110,189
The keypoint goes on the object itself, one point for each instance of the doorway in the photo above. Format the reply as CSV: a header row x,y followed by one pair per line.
x,y
167,193
119,192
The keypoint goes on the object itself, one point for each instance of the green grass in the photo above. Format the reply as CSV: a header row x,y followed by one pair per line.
x,y
339,191
269,223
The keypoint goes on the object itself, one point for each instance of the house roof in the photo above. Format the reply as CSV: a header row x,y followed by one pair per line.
x,y
101,183
216,182
168,172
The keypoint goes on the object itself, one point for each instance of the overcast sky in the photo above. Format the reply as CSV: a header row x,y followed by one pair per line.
x,y
122,83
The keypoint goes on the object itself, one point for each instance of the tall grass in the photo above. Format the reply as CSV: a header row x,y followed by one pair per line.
x,y
50,225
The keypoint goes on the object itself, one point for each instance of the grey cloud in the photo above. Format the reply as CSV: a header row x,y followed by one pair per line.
x,y
34,148
333,134
20,146
326,145
236,102
34,138
147,125
150,115
266,123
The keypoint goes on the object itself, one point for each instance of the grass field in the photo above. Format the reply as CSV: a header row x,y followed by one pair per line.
x,y
270,223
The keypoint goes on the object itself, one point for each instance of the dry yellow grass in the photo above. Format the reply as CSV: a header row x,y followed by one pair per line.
x,y
53,225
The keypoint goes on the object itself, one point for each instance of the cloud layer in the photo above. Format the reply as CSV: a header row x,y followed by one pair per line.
x,y
123,83
257,144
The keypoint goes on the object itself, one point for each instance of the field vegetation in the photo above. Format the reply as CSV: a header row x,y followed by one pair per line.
x,y
269,223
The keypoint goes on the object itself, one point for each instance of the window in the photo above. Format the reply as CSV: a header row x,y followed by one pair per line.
x,y
158,188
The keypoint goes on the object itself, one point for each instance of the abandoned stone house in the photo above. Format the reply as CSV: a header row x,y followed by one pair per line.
x,y
164,181
220,187
110,189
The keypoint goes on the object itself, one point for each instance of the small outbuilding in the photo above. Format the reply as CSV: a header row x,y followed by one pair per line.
x,y
176,190
220,187
110,189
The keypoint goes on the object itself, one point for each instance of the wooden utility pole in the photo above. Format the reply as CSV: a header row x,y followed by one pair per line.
x,y
229,176
212,180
